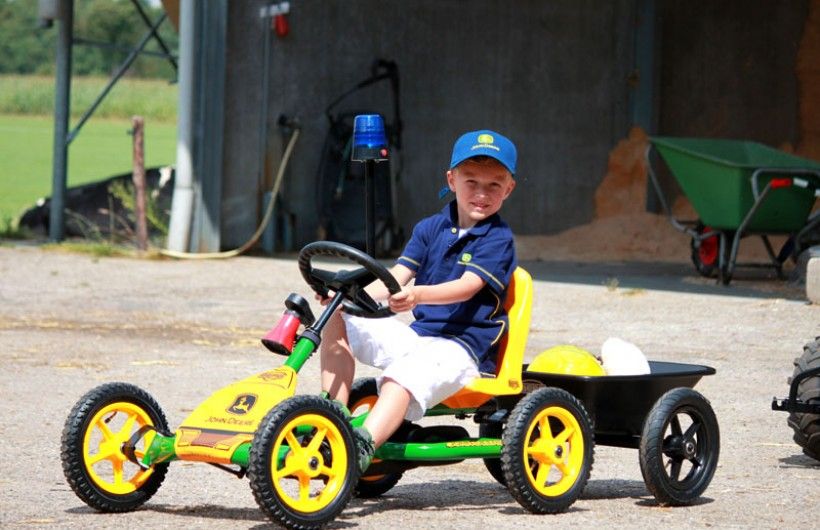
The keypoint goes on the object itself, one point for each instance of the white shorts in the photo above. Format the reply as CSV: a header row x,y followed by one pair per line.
x,y
430,368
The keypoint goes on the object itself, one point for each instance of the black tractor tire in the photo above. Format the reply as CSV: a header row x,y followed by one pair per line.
x,y
678,460
112,404
493,465
548,433
324,461
363,394
806,426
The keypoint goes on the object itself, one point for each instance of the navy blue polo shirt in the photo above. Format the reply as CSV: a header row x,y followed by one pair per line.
x,y
437,255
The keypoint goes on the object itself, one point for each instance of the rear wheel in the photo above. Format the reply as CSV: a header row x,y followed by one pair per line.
x,y
679,448
363,395
548,451
807,426
493,465
92,452
303,462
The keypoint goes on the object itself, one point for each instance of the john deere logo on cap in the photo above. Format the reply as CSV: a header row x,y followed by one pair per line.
x,y
485,139
466,257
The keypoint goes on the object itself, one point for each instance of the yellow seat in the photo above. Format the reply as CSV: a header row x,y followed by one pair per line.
x,y
510,360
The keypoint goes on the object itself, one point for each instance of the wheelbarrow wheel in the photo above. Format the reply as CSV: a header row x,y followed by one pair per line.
x,y
547,451
806,426
679,447
706,252
302,466
363,395
94,462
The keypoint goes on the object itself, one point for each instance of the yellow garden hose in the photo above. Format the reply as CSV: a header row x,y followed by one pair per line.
x,y
268,213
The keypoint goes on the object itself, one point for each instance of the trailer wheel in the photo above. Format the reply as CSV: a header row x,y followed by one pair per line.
x,y
303,462
807,426
679,448
363,395
493,465
548,451
94,462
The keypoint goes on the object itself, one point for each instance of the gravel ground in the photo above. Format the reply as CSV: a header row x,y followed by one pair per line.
x,y
181,330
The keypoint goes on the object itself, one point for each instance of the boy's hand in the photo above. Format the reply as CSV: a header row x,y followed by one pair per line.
x,y
323,300
404,300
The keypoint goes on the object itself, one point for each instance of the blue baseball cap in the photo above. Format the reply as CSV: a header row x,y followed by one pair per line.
x,y
485,143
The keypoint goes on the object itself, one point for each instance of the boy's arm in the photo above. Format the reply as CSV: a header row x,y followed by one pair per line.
x,y
450,292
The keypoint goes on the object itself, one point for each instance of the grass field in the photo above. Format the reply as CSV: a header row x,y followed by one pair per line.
x,y
153,99
102,149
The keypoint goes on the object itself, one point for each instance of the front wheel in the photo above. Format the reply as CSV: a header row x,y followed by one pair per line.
x,y
92,449
548,451
679,448
302,465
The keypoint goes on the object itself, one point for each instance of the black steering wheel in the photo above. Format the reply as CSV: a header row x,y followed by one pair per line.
x,y
350,283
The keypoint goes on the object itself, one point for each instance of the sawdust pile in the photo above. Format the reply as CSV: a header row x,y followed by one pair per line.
x,y
622,230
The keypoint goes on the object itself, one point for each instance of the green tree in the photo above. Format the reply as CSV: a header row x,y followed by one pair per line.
x,y
24,49
27,49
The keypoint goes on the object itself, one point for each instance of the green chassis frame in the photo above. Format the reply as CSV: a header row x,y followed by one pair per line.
x,y
162,446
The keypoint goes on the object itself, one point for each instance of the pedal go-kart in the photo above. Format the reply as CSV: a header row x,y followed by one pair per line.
x,y
536,431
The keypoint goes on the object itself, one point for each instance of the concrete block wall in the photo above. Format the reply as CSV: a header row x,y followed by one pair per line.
x,y
554,76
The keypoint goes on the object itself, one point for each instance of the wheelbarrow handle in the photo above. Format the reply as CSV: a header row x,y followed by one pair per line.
x,y
791,178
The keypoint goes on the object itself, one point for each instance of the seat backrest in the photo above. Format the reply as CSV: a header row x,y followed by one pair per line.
x,y
510,358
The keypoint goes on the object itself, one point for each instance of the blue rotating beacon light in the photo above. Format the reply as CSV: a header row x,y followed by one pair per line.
x,y
370,147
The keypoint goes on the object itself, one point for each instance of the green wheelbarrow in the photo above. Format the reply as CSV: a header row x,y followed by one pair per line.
x,y
740,188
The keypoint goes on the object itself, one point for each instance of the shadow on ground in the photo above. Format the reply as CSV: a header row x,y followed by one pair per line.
x,y
664,276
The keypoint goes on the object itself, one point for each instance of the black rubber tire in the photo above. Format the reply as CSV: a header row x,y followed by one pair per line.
x,y
806,426
72,452
272,426
493,465
369,487
518,466
665,444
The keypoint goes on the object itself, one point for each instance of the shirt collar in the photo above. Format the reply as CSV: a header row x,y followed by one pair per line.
x,y
450,211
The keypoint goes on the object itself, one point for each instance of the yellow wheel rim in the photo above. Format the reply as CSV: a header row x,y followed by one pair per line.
x,y
104,437
313,470
554,451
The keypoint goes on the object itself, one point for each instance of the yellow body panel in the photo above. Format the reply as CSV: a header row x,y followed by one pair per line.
x,y
511,352
231,416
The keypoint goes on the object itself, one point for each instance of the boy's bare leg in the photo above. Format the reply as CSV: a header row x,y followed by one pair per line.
x,y
338,365
388,412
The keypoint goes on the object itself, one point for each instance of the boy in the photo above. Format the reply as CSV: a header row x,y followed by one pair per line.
x,y
462,259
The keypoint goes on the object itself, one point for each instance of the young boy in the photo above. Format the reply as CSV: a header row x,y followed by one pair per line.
x,y
462,259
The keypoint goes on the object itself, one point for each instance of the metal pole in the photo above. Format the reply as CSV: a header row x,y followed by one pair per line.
x,y
117,75
159,40
644,95
62,99
370,207
182,203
